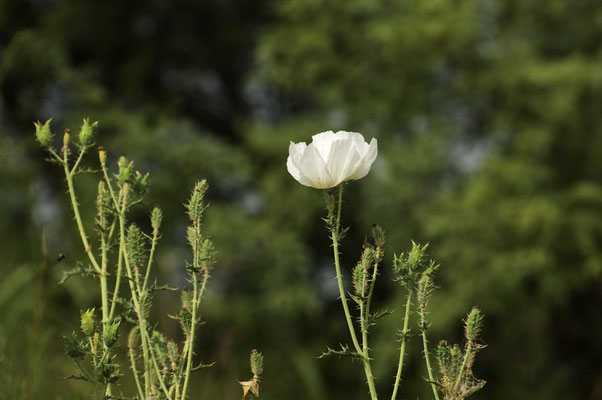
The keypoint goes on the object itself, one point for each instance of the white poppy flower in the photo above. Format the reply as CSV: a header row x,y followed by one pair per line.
x,y
331,159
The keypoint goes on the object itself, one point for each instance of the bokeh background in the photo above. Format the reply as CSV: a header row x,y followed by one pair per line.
x,y
488,115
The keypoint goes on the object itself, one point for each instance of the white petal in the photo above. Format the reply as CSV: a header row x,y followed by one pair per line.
x,y
368,158
342,160
295,153
357,138
313,171
323,141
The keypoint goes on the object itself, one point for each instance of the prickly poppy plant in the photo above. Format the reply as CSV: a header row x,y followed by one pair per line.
x,y
162,368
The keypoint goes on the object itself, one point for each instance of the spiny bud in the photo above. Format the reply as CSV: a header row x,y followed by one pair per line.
x,y
473,324
140,183
359,280
111,333
87,322
74,349
160,344
135,246
444,357
156,217
207,254
367,257
102,156
102,205
43,134
196,205
66,138
424,289
378,234
416,255
133,338
86,131
109,370
125,169
256,363
172,352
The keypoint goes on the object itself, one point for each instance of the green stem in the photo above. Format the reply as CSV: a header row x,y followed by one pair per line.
x,y
78,219
466,354
150,259
335,245
192,329
404,338
426,352
135,371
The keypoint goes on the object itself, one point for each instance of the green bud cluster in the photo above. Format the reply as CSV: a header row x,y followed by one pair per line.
x,y
86,132
111,333
407,267
207,254
43,134
87,322
256,363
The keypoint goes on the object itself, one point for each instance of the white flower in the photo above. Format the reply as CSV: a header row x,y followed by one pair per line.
x,y
331,159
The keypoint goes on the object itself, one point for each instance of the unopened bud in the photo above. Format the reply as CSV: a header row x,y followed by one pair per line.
x,y
66,138
473,324
111,333
87,322
86,132
256,363
125,169
156,217
43,134
102,156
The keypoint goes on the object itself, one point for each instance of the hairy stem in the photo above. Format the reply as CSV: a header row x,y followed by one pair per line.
x,y
461,372
135,372
404,338
427,359
335,231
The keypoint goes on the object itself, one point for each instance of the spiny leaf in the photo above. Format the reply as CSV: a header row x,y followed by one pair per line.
x,y
344,352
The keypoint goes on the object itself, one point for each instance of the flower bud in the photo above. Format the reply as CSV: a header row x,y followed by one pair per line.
x,y
473,324
43,134
102,156
196,205
111,333
66,138
87,322
125,169
133,338
74,349
86,132
256,363
156,217
140,183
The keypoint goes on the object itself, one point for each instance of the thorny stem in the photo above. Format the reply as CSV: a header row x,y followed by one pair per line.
x,y
459,378
102,271
135,372
335,230
75,206
192,329
426,351
150,259
404,339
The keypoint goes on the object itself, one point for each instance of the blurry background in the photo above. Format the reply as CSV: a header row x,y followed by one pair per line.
x,y
488,115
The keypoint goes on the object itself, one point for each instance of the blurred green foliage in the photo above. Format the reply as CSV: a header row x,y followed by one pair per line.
x,y
488,120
